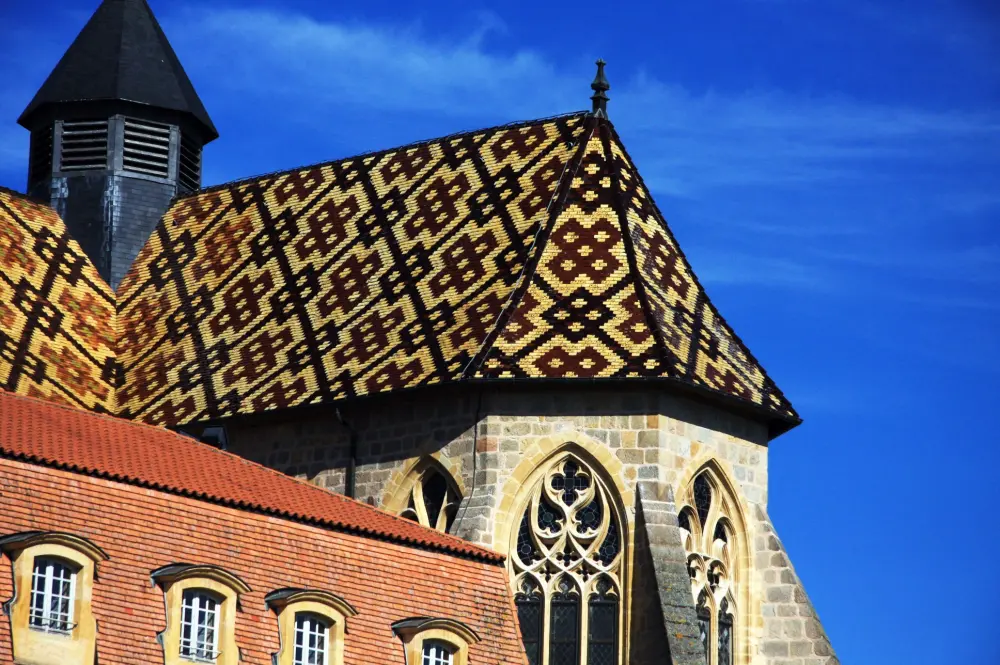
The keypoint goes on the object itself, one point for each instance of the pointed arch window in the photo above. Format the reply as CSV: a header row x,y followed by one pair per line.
x,y
567,566
433,498
706,521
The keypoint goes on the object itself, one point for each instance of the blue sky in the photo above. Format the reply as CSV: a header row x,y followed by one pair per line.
x,y
832,170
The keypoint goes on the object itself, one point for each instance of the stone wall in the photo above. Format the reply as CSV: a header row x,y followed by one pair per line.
x,y
656,439
793,634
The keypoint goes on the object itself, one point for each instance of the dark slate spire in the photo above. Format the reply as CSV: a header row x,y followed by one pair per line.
x,y
121,55
600,86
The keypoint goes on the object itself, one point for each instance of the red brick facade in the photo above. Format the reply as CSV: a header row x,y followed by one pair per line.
x,y
142,529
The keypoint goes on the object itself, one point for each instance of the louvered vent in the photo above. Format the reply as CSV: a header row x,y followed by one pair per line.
x,y
147,148
41,155
190,164
84,146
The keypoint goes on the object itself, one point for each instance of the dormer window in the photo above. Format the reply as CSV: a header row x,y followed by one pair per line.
x,y
202,602
311,626
199,626
432,641
51,618
53,591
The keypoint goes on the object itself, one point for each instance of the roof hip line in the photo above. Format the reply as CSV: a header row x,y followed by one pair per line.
x,y
630,254
536,250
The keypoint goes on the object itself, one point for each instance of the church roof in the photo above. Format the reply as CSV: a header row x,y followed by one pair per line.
x,y
99,445
121,54
528,251
57,316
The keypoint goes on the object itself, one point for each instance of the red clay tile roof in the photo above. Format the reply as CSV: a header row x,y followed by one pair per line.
x,y
63,437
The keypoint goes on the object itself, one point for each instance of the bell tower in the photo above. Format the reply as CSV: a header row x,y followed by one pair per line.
x,y
117,130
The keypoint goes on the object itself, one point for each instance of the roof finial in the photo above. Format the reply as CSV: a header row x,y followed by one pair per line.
x,y
600,86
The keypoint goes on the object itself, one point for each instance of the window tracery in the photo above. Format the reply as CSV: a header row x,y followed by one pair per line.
x,y
709,537
567,567
433,498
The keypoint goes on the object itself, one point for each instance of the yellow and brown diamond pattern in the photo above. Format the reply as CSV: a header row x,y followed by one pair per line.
x,y
523,251
56,313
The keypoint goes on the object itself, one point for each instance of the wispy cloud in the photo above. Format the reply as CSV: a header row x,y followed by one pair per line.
x,y
690,142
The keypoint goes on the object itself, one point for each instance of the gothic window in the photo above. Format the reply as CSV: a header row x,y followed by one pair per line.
x,y
433,499
706,524
567,568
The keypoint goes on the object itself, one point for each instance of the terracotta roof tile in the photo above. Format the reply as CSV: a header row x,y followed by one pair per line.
x,y
108,447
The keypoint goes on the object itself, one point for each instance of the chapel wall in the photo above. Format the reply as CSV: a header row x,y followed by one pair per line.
x,y
659,440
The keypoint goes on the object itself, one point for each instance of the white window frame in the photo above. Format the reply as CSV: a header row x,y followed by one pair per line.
x,y
309,625
192,648
50,621
437,652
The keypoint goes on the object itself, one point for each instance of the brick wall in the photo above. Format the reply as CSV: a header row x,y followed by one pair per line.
x,y
142,530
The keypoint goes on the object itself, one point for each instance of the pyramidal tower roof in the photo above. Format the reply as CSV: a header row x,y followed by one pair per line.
x,y
121,54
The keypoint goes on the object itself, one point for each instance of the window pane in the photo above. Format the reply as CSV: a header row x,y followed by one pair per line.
x,y
602,646
725,636
529,615
704,623
199,629
564,637
51,602
311,632
437,653
702,497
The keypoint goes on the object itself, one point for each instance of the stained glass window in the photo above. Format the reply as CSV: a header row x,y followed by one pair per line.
x,y
714,569
569,561
602,626
702,497
433,499
682,520
548,518
529,616
725,634
704,623
564,628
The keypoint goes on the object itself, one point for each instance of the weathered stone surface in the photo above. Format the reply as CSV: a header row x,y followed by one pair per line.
x,y
649,445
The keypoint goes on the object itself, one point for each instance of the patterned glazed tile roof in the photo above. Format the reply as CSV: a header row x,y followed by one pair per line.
x,y
64,437
57,315
527,251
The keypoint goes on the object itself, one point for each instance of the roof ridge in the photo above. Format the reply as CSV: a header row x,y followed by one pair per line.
x,y
369,154
770,387
459,542
559,197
